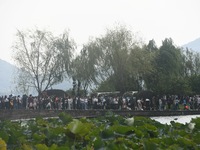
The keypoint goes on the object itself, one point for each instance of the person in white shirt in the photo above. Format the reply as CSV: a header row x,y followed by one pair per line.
x,y
139,102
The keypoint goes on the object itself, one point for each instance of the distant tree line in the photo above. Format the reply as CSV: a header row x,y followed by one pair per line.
x,y
115,61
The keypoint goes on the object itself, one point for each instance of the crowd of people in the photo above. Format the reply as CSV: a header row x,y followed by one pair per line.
x,y
100,102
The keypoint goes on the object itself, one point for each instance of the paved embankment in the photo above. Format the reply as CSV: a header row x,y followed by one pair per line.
x,y
25,114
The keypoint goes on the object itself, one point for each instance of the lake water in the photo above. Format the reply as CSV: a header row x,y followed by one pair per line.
x,y
180,119
161,119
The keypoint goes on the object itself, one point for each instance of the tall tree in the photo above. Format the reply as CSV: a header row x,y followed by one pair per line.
x,y
188,63
197,63
39,54
152,52
116,62
22,86
169,59
84,66
140,65
66,47
168,66
151,46
194,84
191,63
116,45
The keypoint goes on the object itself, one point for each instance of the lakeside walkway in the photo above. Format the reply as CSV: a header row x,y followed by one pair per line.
x,y
27,114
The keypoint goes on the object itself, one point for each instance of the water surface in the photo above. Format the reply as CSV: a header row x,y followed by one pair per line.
x,y
180,119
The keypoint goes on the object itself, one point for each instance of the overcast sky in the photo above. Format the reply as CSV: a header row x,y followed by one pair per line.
x,y
150,19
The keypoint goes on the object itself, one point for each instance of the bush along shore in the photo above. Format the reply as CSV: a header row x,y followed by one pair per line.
x,y
105,132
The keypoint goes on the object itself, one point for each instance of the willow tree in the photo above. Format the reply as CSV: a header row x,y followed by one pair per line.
x,y
140,66
84,66
113,62
38,55
115,46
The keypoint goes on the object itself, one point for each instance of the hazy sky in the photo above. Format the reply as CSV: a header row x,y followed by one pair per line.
x,y
151,19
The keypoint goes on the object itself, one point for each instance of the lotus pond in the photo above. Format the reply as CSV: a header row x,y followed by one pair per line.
x,y
109,132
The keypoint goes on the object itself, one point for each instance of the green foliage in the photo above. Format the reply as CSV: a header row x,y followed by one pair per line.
x,y
168,66
105,132
197,123
194,81
4,135
78,128
65,118
41,147
180,86
2,145
149,145
115,61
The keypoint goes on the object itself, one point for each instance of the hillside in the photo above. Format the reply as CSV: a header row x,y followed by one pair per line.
x,y
7,72
193,45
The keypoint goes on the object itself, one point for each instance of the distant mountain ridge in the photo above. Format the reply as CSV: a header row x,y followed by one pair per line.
x,y
193,45
7,75
7,72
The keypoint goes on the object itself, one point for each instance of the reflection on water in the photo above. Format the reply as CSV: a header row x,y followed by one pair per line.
x,y
180,119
